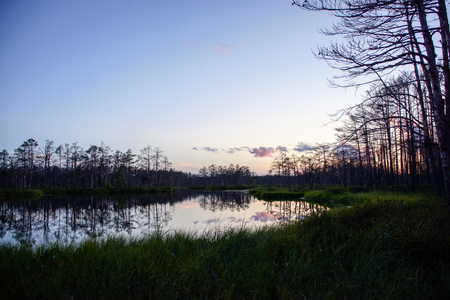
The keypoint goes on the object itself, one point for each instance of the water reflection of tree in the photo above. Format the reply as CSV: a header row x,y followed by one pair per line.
x,y
225,201
292,210
67,219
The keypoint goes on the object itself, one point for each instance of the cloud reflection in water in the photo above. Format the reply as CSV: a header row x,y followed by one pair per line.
x,y
211,221
263,216
235,220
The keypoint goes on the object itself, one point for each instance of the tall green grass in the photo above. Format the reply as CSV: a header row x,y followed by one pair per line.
x,y
385,250
336,196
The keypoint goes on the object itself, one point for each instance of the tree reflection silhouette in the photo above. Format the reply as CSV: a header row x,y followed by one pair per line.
x,y
68,219
71,219
225,201
292,210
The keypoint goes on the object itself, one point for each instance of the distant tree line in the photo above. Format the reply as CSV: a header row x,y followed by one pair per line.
x,y
69,166
232,175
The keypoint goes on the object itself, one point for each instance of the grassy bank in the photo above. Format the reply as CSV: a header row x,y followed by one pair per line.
x,y
338,196
272,194
384,250
106,191
15,194
341,196
220,188
30,194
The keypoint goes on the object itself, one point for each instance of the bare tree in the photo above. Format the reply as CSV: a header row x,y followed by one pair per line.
x,y
157,161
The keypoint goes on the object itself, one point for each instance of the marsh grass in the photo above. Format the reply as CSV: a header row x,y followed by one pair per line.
x,y
276,194
335,196
382,250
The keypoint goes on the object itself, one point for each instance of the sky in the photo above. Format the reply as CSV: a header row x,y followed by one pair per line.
x,y
206,81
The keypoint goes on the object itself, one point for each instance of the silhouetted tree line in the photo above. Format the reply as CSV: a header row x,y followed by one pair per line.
x,y
232,175
388,140
220,201
394,136
69,166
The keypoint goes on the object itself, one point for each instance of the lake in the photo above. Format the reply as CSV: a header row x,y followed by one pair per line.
x,y
72,219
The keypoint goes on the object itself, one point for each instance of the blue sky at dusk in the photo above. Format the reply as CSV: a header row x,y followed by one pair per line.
x,y
206,81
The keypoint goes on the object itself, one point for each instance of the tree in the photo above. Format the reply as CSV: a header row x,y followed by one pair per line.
x,y
157,160
104,163
146,158
203,172
4,158
324,148
67,154
78,168
48,152
29,154
76,155
382,36
92,159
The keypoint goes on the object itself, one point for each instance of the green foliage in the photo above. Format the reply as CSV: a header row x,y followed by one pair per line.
x,y
272,194
120,179
384,250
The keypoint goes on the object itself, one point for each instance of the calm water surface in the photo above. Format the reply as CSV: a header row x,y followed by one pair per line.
x,y
72,219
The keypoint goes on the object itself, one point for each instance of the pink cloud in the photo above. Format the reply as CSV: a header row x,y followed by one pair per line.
x,y
257,152
262,151
221,49
189,43
187,205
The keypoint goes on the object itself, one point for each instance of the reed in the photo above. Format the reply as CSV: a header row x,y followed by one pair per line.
x,y
382,250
